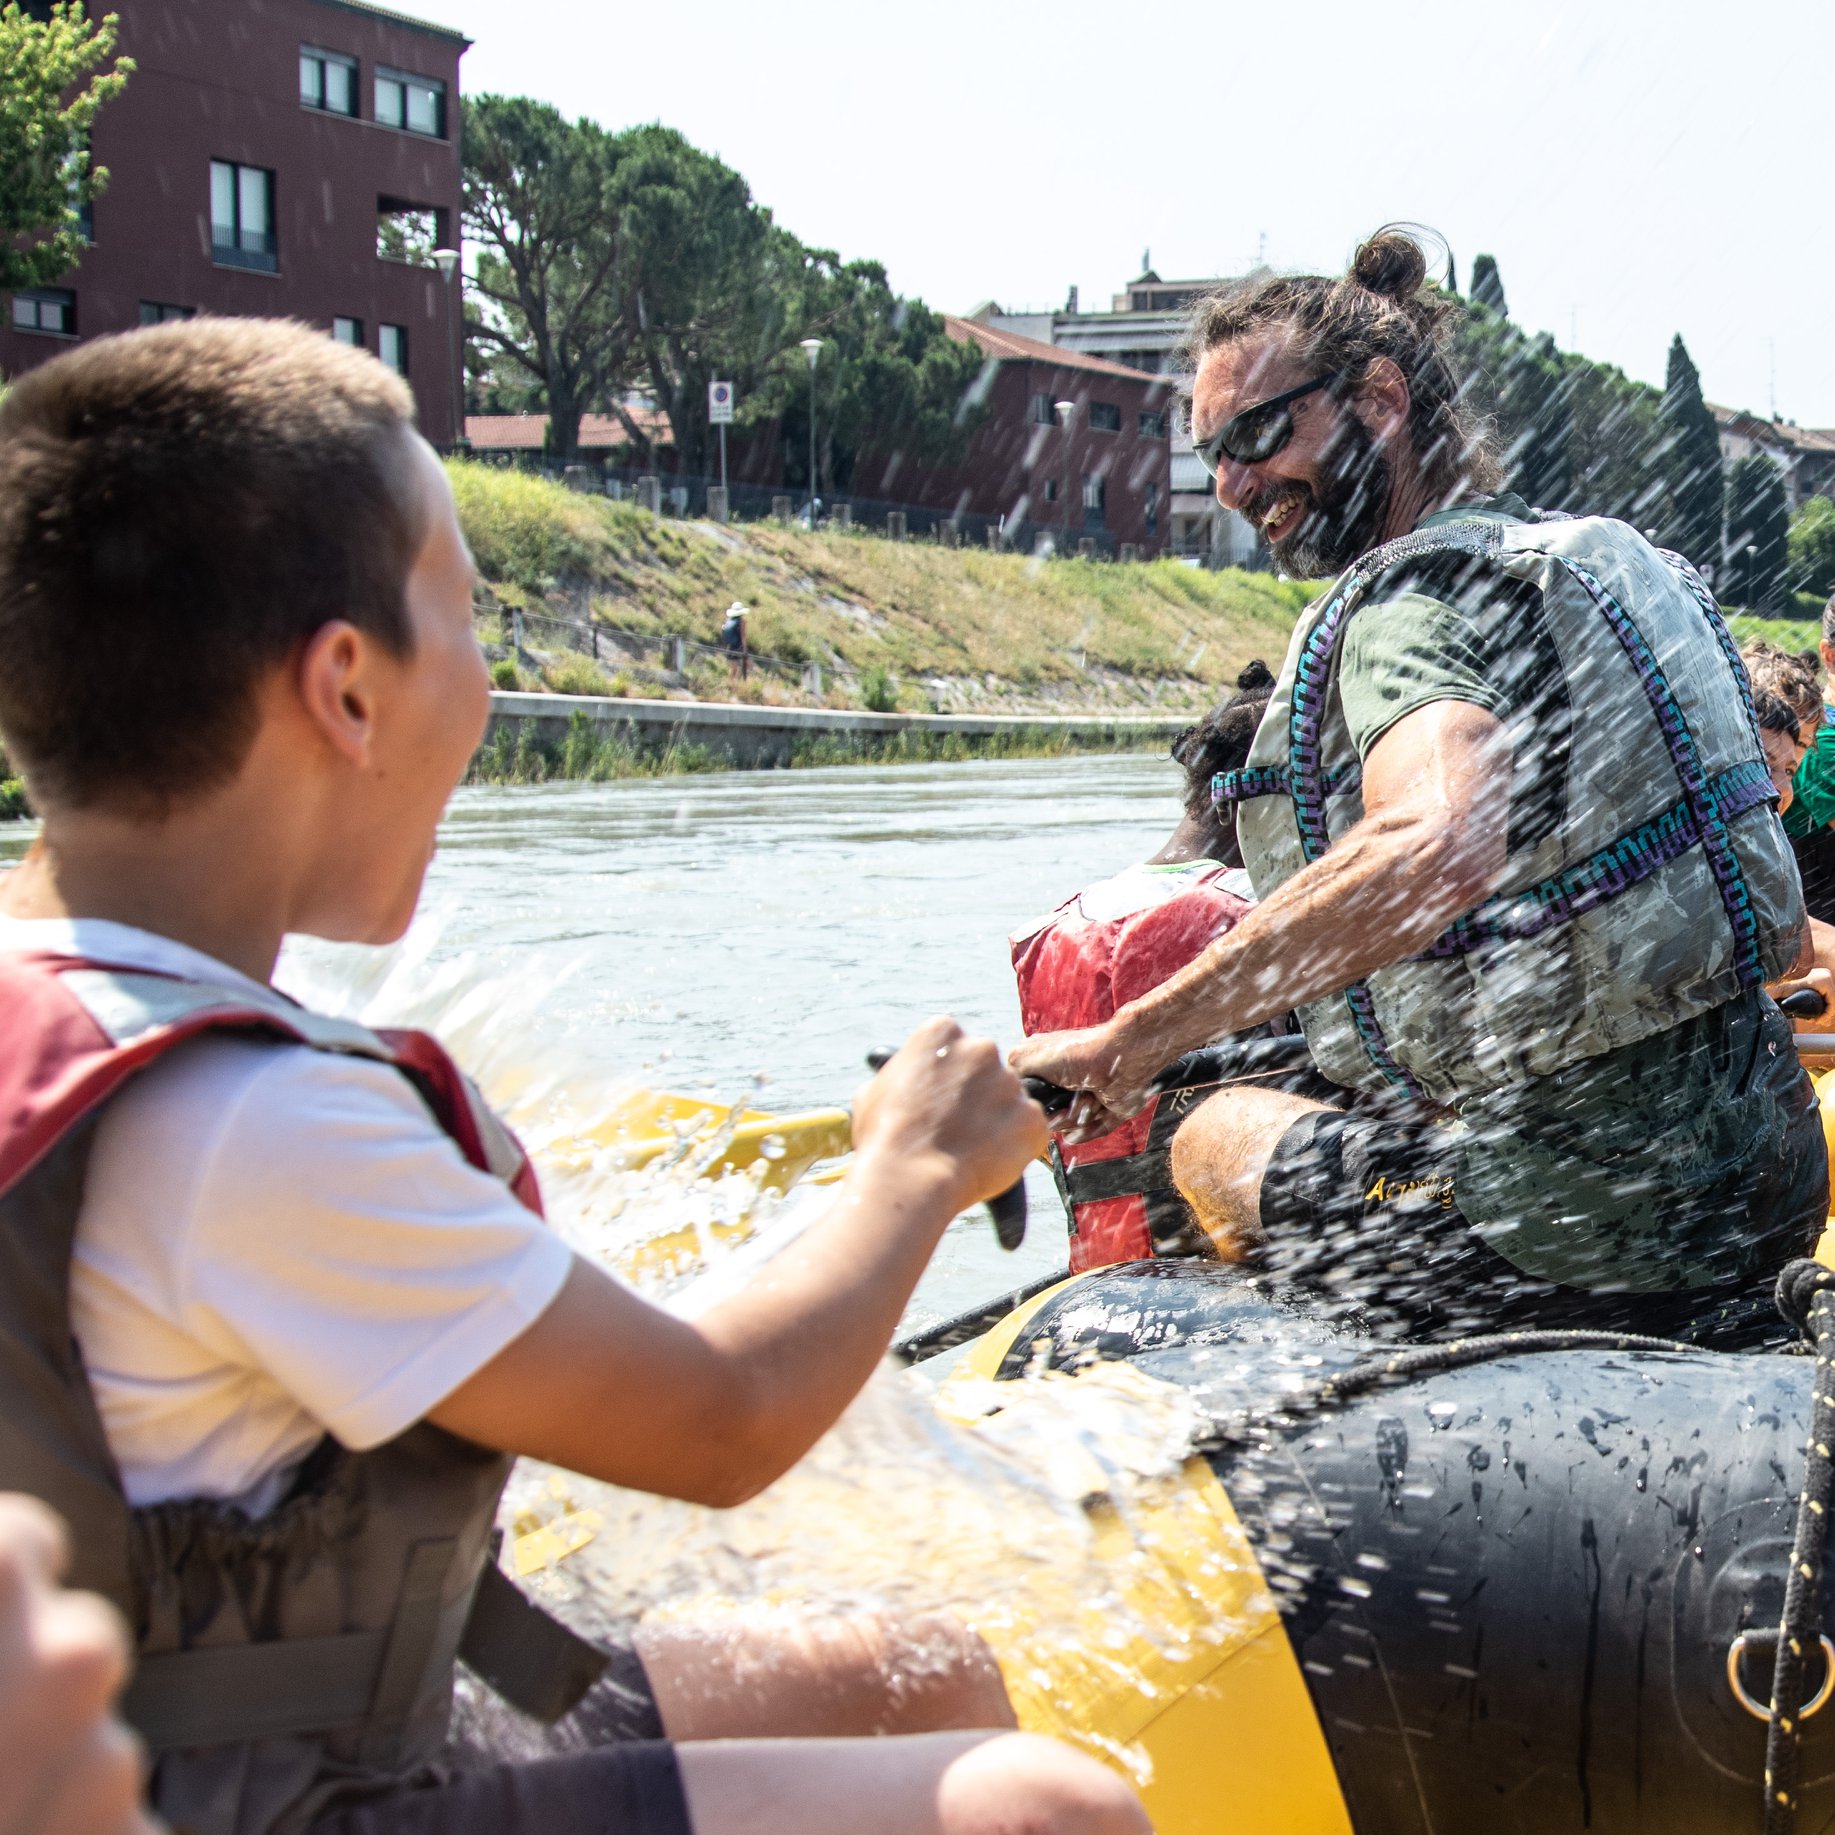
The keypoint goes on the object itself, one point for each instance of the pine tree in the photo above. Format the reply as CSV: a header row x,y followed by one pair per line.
x,y
1758,531
1487,288
1691,462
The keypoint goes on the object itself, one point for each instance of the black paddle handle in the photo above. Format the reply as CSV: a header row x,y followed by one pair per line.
x,y
1251,1056
1007,1208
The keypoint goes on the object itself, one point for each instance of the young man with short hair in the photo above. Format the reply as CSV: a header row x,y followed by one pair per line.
x,y
276,1306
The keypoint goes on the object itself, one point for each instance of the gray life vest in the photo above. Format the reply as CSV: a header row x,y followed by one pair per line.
x,y
292,1663
1666,889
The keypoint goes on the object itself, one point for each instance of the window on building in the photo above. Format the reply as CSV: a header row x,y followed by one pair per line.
x,y
406,232
1152,424
414,103
46,309
392,347
347,331
1151,506
327,80
158,311
1040,411
1095,496
242,217
1051,490
1105,417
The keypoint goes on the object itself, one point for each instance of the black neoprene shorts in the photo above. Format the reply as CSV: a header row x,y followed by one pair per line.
x,y
633,1789
1360,1212
623,1781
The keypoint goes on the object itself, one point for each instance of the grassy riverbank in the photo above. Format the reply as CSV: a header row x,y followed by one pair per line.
x,y
587,754
965,626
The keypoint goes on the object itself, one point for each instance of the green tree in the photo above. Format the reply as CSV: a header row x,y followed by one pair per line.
x,y
1758,535
1691,461
551,292
1487,288
715,288
1811,544
1523,387
46,112
889,377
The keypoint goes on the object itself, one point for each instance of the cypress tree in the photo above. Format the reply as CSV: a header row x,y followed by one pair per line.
x,y
1758,531
1487,289
1691,461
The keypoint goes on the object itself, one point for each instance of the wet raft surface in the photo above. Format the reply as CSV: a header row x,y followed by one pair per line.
x,y
1512,1588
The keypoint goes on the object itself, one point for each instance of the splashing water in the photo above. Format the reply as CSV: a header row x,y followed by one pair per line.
x,y
1053,1515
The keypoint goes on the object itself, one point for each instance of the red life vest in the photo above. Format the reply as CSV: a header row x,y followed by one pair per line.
x,y
373,1576
1098,951
75,1031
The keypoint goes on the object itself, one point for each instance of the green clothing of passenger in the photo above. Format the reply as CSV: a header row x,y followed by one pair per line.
x,y
1812,802
1584,1177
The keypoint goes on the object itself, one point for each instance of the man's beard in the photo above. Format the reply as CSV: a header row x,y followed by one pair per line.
x,y
1342,516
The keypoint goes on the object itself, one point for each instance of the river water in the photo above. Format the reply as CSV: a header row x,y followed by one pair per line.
x,y
696,933
692,933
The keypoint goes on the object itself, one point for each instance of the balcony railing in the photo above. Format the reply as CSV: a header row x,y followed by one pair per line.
x,y
247,248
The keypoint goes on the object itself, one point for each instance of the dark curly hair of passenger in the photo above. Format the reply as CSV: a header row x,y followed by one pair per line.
x,y
1221,740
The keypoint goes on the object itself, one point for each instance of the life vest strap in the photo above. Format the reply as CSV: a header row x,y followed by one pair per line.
x,y
317,1685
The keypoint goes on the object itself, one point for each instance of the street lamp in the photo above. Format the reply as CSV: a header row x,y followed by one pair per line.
x,y
812,349
447,261
1065,409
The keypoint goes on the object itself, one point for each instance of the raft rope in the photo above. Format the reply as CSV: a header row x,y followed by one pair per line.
x,y
1426,1360
1806,1297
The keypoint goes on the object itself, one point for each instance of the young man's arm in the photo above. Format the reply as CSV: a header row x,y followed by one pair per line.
x,y
1431,845
714,1409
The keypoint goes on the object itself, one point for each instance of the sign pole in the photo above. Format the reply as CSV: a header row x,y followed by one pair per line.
x,y
723,455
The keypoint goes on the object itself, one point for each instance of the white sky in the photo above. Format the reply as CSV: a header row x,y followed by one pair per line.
x,y
1638,167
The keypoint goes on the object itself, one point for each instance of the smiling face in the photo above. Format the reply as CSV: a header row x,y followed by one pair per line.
x,y
1326,496
1783,754
403,727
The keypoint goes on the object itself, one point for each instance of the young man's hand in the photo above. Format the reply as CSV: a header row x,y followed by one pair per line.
x,y
946,1107
67,1765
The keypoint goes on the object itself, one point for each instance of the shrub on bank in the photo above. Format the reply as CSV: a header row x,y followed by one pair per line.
x,y
13,804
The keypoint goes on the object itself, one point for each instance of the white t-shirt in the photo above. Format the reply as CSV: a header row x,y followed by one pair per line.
x,y
276,1243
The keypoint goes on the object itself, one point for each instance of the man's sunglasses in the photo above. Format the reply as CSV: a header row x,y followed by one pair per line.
x,y
1257,433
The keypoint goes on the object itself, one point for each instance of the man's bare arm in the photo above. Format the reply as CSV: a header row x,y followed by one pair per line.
x,y
1432,844
715,1408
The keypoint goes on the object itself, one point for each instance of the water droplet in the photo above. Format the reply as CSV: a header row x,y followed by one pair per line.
x,y
773,1147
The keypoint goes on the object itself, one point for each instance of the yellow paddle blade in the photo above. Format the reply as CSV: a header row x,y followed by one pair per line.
x,y
648,1125
655,1128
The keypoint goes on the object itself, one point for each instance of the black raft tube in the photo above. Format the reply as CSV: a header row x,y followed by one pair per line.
x,y
1529,1588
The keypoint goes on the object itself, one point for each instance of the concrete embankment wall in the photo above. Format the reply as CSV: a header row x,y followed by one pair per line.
x,y
762,737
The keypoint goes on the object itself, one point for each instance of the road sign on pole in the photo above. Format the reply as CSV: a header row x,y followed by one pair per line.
x,y
719,413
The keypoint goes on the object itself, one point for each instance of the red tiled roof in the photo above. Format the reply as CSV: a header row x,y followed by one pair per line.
x,y
1010,347
1748,426
529,432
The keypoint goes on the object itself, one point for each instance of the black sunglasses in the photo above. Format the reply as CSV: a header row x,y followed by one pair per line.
x,y
1257,433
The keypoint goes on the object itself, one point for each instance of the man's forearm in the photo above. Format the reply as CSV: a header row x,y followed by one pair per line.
x,y
1384,891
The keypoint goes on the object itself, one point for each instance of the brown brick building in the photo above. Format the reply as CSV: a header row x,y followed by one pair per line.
x,y
280,159
1101,471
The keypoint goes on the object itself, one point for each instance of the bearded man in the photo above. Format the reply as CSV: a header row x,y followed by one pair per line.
x,y
1518,865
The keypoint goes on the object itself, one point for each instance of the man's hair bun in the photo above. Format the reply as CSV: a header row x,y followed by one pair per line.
x,y
1392,263
1256,675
